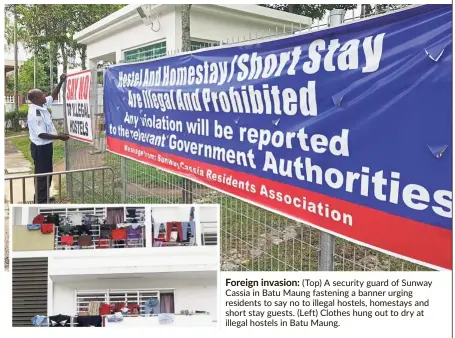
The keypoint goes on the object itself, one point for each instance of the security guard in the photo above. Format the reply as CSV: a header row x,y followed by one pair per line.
x,y
42,133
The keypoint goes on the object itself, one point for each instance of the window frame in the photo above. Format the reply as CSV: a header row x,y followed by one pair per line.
x,y
137,48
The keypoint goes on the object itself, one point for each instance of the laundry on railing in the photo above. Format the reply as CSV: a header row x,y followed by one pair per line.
x,y
165,318
40,321
174,232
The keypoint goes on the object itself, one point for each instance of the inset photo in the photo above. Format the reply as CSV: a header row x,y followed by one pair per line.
x,y
114,265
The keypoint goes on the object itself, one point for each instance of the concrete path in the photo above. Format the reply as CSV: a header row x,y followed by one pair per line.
x,y
16,191
17,165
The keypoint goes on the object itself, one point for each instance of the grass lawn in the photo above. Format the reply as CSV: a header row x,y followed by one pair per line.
x,y
9,133
23,145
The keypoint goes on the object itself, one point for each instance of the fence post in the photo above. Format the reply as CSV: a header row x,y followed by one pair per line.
x,y
187,191
123,179
327,241
69,183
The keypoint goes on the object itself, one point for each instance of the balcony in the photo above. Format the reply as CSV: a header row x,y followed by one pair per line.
x,y
136,247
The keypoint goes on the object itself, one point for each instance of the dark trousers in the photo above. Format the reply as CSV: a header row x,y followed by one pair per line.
x,y
42,158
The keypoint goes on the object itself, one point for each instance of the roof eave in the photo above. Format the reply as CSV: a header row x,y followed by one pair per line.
x,y
127,14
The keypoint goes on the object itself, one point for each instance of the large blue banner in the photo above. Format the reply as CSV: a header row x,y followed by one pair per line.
x,y
348,129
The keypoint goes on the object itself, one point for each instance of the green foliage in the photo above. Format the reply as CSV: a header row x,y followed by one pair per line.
x,y
23,109
10,83
311,11
57,24
13,119
26,76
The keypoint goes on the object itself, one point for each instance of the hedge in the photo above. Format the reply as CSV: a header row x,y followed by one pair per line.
x,y
17,120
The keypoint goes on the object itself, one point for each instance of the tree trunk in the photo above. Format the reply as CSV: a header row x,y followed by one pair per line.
x,y
187,185
51,68
64,57
84,57
366,10
292,8
186,28
16,63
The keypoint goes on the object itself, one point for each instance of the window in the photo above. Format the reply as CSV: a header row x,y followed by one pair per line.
x,y
131,296
146,53
195,45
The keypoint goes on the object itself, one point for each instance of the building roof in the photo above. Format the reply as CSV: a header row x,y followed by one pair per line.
x,y
128,14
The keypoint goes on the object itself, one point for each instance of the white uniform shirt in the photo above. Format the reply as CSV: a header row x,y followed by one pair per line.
x,y
39,121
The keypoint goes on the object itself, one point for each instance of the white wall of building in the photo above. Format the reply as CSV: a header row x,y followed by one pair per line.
x,y
222,27
190,293
22,53
134,260
134,35
207,24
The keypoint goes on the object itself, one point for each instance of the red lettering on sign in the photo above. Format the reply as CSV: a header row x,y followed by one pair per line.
x,y
84,87
72,88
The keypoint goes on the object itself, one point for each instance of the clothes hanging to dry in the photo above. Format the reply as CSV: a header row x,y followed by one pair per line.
x,y
115,215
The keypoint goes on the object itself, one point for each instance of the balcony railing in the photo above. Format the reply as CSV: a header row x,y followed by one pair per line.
x,y
96,241
9,99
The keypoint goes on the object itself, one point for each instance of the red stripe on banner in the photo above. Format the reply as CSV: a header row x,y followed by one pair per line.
x,y
81,139
419,241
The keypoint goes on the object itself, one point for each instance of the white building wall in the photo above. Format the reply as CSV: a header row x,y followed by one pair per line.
x,y
205,26
189,293
222,26
134,36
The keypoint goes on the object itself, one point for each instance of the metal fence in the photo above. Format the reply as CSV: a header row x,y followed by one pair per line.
x,y
252,238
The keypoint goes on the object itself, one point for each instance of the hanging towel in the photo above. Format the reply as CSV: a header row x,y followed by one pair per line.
x,y
188,226
39,321
89,321
76,218
169,236
59,321
157,229
116,317
165,318
94,308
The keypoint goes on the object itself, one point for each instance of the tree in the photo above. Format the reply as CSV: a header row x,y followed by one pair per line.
x,y
368,10
311,11
186,28
26,77
187,185
86,15
57,24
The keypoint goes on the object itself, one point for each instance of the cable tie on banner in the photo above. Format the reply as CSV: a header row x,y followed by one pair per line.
x,y
275,122
435,52
337,99
438,151
237,120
